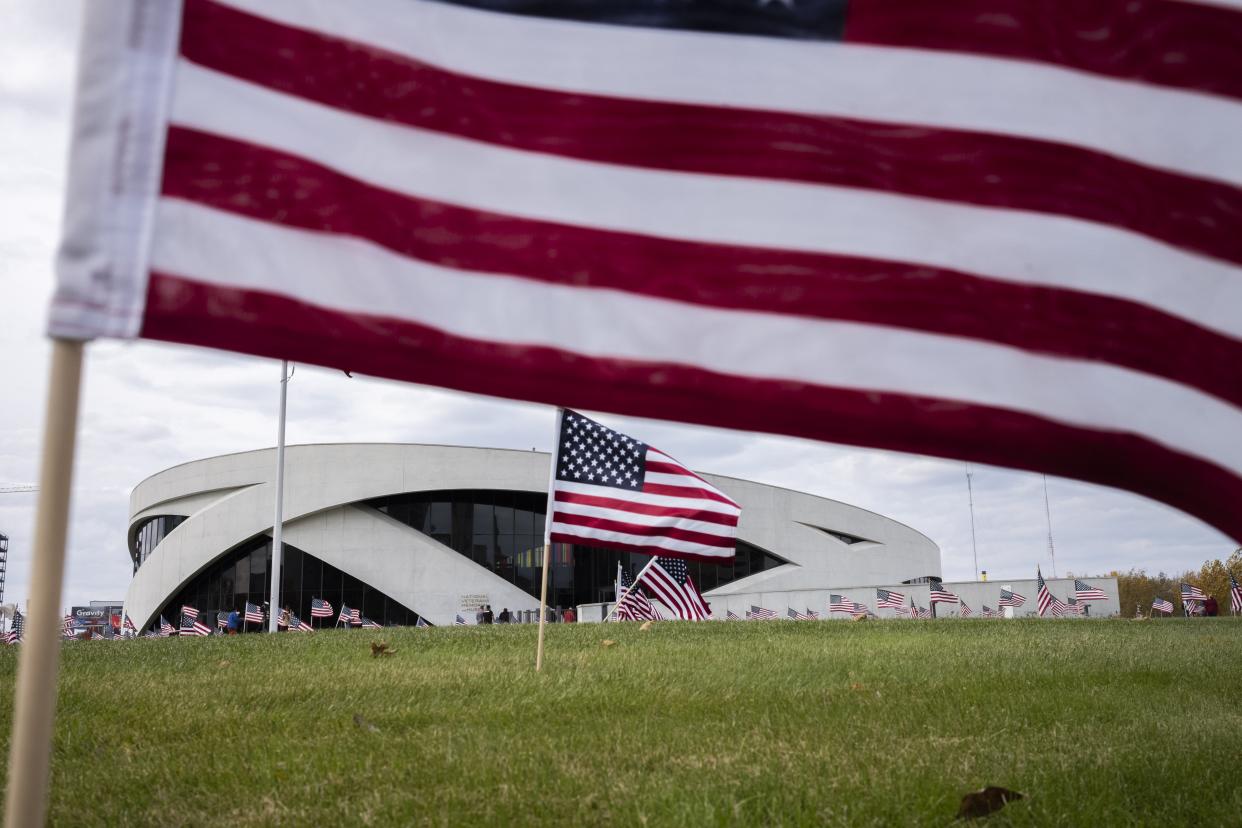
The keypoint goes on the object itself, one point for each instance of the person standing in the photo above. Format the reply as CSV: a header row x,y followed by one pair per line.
x,y
233,623
569,616
487,614
504,617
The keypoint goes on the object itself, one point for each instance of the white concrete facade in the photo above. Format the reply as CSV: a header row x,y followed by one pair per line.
x,y
228,500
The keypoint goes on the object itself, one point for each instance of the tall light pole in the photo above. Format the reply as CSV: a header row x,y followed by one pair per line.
x,y
970,495
273,615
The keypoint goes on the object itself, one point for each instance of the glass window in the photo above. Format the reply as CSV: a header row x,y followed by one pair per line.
x,y
503,531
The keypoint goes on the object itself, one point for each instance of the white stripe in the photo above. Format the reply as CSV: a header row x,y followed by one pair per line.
x,y
348,275
1010,245
657,542
637,519
1187,131
674,501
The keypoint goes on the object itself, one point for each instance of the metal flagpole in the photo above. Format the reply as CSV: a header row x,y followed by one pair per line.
x,y
35,706
1048,514
620,598
277,524
547,536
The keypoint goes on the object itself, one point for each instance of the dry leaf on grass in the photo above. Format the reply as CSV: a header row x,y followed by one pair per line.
x,y
989,800
381,648
607,642
646,626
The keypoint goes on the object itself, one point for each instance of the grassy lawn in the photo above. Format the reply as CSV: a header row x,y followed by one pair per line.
x,y
744,723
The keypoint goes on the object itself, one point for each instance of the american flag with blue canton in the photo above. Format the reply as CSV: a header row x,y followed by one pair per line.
x,y
254,613
1159,604
1009,598
613,491
940,595
1083,591
669,581
886,598
320,608
1235,595
760,613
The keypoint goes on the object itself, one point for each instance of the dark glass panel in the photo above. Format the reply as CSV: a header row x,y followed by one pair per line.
x,y
503,532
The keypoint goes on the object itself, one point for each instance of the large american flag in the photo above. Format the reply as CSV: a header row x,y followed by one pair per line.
x,y
1235,595
613,491
320,608
992,230
1009,598
888,598
1085,592
1159,604
669,581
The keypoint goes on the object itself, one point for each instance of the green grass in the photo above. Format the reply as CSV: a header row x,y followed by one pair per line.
x,y
758,723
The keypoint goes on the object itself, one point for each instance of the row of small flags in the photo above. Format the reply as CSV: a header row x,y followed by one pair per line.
x,y
635,606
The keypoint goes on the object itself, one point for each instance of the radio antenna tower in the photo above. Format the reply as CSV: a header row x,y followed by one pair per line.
x,y
970,495
1052,552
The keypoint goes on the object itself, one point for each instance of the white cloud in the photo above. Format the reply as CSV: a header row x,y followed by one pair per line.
x,y
147,406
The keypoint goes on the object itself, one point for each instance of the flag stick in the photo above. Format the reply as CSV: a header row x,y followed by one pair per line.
x,y
278,522
547,536
35,707
630,589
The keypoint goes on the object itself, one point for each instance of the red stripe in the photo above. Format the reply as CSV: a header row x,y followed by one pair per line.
x,y
672,532
685,491
181,310
224,174
954,165
645,508
670,467
1182,45
661,467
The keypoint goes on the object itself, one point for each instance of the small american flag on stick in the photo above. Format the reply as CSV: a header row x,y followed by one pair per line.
x,y
887,599
1009,598
670,582
965,611
1159,604
941,595
1085,592
1235,595
839,603
760,613
730,615
254,613
1190,592
613,491
320,608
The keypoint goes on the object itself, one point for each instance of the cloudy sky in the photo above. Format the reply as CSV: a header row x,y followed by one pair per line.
x,y
149,406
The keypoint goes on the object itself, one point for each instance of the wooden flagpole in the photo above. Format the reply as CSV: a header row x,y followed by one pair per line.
x,y
35,705
547,536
